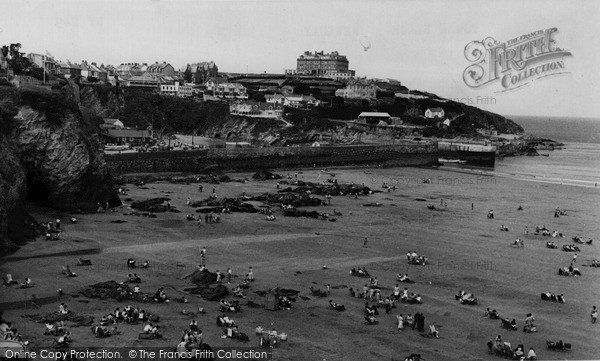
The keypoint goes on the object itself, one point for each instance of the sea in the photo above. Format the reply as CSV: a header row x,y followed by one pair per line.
x,y
577,164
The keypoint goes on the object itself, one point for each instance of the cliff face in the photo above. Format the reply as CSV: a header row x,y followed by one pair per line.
x,y
12,190
64,165
49,156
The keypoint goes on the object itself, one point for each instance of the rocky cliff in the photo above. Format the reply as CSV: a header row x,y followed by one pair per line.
x,y
49,156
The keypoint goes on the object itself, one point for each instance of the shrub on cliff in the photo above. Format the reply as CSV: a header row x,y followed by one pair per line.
x,y
54,105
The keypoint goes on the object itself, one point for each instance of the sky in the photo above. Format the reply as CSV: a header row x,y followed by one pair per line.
x,y
421,43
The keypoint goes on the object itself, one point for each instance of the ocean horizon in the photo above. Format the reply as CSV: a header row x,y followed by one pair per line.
x,y
561,129
576,164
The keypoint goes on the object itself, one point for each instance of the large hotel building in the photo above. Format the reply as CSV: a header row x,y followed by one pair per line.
x,y
321,64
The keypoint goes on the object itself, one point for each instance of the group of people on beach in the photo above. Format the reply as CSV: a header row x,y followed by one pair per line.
x,y
414,258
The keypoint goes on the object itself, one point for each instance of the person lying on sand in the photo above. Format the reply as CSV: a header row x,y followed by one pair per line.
x,y
238,292
64,340
84,262
26,283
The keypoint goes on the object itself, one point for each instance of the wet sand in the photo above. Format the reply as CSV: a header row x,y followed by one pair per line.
x,y
466,250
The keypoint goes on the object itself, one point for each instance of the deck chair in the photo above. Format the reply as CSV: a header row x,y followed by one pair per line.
x,y
434,331
9,280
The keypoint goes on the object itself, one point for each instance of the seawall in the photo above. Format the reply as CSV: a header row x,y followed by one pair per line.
x,y
411,154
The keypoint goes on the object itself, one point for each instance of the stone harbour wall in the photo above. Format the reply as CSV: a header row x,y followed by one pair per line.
x,y
273,157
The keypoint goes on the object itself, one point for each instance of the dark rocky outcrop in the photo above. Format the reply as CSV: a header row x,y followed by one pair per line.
x,y
216,205
48,155
207,286
265,175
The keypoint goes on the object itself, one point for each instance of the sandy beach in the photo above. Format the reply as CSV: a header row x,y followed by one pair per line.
x,y
466,251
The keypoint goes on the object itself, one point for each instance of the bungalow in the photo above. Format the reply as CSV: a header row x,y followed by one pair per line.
x,y
128,136
431,113
373,118
256,110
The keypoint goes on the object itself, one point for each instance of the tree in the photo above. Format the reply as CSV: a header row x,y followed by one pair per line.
x,y
187,74
16,60
259,97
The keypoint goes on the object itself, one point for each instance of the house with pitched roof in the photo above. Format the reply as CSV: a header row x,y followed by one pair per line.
x,y
275,99
110,123
128,69
101,74
202,71
431,113
163,68
44,61
358,89
70,70
212,83
230,91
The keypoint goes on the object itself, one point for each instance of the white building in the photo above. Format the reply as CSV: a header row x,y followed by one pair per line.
x,y
176,89
256,110
339,74
434,113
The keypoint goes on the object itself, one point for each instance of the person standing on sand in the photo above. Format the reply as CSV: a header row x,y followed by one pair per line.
x,y
574,258
365,242
400,322
416,320
526,230
203,251
229,275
